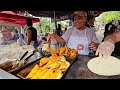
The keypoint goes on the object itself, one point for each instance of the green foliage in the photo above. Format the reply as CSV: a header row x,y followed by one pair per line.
x,y
111,15
45,25
63,25
47,28
10,28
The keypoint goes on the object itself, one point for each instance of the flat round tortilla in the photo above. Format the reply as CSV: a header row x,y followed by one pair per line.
x,y
105,67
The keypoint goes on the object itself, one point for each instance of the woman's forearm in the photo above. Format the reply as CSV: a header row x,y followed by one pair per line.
x,y
111,38
59,38
56,37
115,37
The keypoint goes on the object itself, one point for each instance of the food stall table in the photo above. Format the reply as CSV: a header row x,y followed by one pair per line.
x,y
79,70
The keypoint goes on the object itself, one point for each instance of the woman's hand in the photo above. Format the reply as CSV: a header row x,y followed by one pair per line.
x,y
54,37
51,37
93,46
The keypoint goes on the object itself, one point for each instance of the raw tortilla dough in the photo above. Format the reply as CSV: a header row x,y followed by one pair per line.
x,y
105,67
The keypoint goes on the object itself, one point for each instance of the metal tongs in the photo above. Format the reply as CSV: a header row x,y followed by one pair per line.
x,y
23,55
28,56
22,61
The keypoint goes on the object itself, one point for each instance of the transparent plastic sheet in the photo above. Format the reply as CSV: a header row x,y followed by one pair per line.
x,y
14,52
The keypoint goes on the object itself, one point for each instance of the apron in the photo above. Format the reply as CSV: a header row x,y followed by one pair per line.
x,y
79,43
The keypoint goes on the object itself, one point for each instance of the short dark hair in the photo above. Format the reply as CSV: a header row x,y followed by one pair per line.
x,y
16,31
59,25
90,16
44,38
29,22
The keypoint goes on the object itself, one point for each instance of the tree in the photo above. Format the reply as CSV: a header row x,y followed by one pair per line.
x,y
47,28
111,15
45,25
105,18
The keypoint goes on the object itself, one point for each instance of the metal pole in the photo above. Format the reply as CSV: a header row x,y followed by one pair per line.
x,y
55,20
49,24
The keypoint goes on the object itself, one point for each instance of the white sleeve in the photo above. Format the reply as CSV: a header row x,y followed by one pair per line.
x,y
18,41
109,27
67,34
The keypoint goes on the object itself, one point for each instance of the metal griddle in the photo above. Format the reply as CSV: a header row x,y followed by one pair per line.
x,y
32,64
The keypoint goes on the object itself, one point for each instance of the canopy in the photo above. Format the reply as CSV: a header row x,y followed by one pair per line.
x,y
59,14
7,23
11,17
50,13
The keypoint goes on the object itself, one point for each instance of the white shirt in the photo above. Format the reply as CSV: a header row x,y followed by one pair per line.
x,y
20,42
91,36
92,28
109,27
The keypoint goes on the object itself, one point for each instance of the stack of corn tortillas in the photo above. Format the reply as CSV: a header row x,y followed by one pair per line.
x,y
105,67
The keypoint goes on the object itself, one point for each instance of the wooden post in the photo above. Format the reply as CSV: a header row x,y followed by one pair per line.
x,y
49,24
55,20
